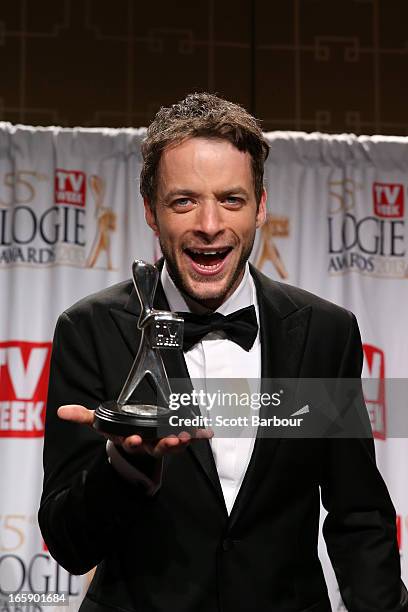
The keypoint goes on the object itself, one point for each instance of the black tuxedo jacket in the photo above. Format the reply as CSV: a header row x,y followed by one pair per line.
x,y
179,550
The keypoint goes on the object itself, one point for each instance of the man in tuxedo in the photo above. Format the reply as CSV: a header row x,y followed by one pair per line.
x,y
224,524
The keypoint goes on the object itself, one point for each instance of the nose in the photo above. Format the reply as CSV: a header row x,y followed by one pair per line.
x,y
209,219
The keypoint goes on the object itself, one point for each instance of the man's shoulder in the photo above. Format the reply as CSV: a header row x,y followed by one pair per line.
x,y
114,297
288,297
303,298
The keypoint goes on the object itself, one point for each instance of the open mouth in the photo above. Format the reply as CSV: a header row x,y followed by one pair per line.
x,y
209,260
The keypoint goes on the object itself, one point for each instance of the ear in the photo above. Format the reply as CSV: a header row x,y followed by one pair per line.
x,y
150,216
261,212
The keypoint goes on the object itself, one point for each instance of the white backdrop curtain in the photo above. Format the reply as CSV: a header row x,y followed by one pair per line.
x,y
71,222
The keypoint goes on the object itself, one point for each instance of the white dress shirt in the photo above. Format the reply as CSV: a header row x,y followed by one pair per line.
x,y
214,357
218,357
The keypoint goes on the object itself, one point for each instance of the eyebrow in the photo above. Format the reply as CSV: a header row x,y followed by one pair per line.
x,y
236,190
180,192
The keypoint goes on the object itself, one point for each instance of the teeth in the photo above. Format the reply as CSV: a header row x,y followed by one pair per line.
x,y
209,267
208,252
212,267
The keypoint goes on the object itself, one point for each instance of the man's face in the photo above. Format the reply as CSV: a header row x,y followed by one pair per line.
x,y
205,216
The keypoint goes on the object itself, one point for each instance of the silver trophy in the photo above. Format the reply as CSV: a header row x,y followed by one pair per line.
x,y
160,329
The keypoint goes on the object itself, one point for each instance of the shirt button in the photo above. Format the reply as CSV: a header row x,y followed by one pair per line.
x,y
227,544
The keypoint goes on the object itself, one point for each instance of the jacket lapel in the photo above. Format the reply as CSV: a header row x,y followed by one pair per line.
x,y
283,328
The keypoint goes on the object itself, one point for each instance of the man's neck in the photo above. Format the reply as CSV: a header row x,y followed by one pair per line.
x,y
242,296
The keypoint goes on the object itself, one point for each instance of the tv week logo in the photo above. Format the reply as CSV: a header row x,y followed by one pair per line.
x,y
388,200
70,187
24,370
374,389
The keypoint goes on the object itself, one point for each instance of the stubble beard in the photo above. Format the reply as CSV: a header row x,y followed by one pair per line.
x,y
214,301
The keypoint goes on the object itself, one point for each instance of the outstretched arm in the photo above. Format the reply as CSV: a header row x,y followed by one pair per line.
x,y
86,505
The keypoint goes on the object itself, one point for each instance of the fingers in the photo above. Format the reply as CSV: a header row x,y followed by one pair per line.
x,y
168,445
175,444
131,444
204,434
76,414
157,448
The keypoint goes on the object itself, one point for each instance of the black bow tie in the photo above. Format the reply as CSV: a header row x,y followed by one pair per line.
x,y
240,326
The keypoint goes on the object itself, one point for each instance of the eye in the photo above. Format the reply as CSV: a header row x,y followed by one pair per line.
x,y
233,201
182,204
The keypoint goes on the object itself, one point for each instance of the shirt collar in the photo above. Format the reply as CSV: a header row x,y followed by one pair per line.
x,y
243,296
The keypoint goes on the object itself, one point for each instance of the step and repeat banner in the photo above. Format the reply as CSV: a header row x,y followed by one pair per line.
x,y
71,223
338,226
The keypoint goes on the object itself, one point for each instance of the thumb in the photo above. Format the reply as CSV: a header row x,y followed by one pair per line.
x,y
76,414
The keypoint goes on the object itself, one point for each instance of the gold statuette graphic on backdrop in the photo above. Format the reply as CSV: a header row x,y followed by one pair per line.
x,y
274,226
106,223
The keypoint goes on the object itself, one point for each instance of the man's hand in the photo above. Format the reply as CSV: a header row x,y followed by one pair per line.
x,y
135,444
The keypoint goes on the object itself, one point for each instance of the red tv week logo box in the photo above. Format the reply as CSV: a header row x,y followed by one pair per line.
x,y
388,200
24,371
70,187
399,530
374,389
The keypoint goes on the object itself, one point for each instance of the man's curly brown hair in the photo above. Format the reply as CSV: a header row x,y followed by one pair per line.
x,y
202,115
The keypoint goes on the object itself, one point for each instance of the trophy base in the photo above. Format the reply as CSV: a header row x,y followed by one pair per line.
x,y
146,420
